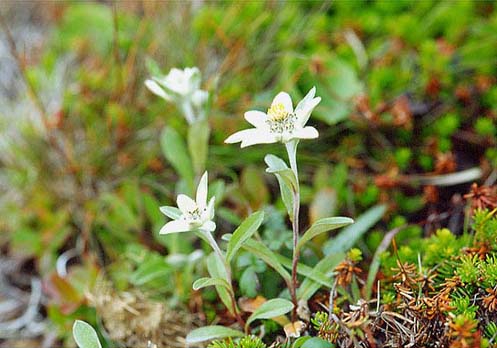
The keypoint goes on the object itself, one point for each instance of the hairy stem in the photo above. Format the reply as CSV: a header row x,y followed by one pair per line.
x,y
212,242
291,148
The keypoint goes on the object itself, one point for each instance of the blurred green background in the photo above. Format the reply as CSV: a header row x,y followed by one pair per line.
x,y
409,96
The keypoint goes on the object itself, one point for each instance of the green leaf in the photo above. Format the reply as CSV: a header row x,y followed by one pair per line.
x,y
175,151
323,225
277,166
216,269
335,248
205,282
286,196
265,254
209,333
270,309
171,212
300,341
317,342
248,282
350,235
248,227
198,144
150,205
85,335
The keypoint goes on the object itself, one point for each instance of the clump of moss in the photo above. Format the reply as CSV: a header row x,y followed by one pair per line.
x,y
244,342
439,291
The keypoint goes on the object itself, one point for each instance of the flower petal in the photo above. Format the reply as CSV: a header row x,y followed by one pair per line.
x,y
186,204
155,88
175,226
202,192
208,226
306,133
256,118
284,99
308,97
305,107
252,136
208,213
238,136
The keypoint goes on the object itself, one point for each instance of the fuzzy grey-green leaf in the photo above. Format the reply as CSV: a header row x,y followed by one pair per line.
x,y
175,150
198,144
277,166
271,309
204,282
85,335
248,227
209,333
323,225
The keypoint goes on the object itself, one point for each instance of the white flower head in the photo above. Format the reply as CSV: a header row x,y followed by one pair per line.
x,y
194,214
178,83
183,88
281,123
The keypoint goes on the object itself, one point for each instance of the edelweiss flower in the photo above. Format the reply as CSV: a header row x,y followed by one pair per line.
x,y
178,83
181,87
280,124
193,214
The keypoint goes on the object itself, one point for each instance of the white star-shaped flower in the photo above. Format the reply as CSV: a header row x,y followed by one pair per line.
x,y
194,214
181,87
178,83
281,123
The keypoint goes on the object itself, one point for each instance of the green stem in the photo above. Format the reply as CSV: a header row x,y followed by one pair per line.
x,y
212,242
291,148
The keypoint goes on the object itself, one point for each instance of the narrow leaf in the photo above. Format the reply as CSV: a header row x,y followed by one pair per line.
x,y
244,232
198,144
265,254
336,247
205,282
209,333
286,196
270,309
277,166
216,269
323,225
350,235
286,181
317,342
175,150
85,335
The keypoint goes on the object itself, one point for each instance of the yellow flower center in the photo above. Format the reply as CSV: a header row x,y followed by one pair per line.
x,y
280,120
277,112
